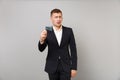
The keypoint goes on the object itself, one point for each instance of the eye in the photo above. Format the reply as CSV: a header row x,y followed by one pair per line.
x,y
56,16
60,16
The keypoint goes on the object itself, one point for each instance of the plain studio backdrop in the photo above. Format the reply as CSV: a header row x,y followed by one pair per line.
x,y
96,26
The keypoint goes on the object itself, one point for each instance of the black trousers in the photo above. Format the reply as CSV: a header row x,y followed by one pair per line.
x,y
60,74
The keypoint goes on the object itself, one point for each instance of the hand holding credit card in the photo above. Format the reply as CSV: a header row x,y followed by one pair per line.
x,y
43,36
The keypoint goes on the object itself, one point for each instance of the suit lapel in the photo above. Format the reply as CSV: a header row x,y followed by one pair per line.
x,y
55,38
62,38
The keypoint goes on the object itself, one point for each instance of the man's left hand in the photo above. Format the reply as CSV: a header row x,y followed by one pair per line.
x,y
73,73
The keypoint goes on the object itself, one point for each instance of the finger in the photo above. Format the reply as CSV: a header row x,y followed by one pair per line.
x,y
45,31
43,34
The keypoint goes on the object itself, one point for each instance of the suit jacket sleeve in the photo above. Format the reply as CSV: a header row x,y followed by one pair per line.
x,y
41,47
73,51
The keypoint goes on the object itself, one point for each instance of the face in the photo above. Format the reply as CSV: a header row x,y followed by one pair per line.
x,y
56,19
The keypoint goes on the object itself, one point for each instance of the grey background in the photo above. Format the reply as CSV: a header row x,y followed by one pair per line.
x,y
96,26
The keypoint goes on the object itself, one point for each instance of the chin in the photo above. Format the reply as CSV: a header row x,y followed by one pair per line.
x,y
59,25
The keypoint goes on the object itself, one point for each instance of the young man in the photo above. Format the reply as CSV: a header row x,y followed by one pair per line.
x,y
61,64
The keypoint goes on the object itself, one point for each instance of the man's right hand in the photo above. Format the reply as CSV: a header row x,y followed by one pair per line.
x,y
43,36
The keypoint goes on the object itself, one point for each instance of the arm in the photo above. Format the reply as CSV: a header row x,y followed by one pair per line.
x,y
42,46
43,41
73,51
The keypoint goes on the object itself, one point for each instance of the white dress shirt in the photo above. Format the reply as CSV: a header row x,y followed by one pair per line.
x,y
58,34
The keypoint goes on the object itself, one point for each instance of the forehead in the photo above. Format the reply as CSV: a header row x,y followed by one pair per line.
x,y
57,14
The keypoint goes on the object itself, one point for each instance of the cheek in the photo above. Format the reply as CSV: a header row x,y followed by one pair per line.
x,y
55,20
61,20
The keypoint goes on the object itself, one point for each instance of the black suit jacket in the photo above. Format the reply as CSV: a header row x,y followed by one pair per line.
x,y
67,50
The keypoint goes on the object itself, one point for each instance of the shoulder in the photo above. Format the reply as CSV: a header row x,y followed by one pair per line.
x,y
67,28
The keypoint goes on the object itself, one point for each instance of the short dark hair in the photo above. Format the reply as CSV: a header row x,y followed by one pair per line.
x,y
55,11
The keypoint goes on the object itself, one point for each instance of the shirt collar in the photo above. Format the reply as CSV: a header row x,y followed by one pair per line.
x,y
58,29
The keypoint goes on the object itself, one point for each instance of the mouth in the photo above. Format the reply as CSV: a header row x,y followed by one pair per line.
x,y
58,22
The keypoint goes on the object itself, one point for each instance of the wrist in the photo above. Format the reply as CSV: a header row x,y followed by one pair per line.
x,y
41,41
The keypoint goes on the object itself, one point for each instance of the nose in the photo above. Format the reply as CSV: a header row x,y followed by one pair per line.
x,y
58,18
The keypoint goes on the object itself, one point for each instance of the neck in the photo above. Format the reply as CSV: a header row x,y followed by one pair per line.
x,y
57,27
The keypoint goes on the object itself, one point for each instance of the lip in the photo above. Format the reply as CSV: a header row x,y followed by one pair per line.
x,y
58,22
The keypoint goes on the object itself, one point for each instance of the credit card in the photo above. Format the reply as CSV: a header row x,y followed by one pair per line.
x,y
48,28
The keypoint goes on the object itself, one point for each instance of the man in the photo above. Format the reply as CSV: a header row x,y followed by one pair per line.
x,y
61,61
